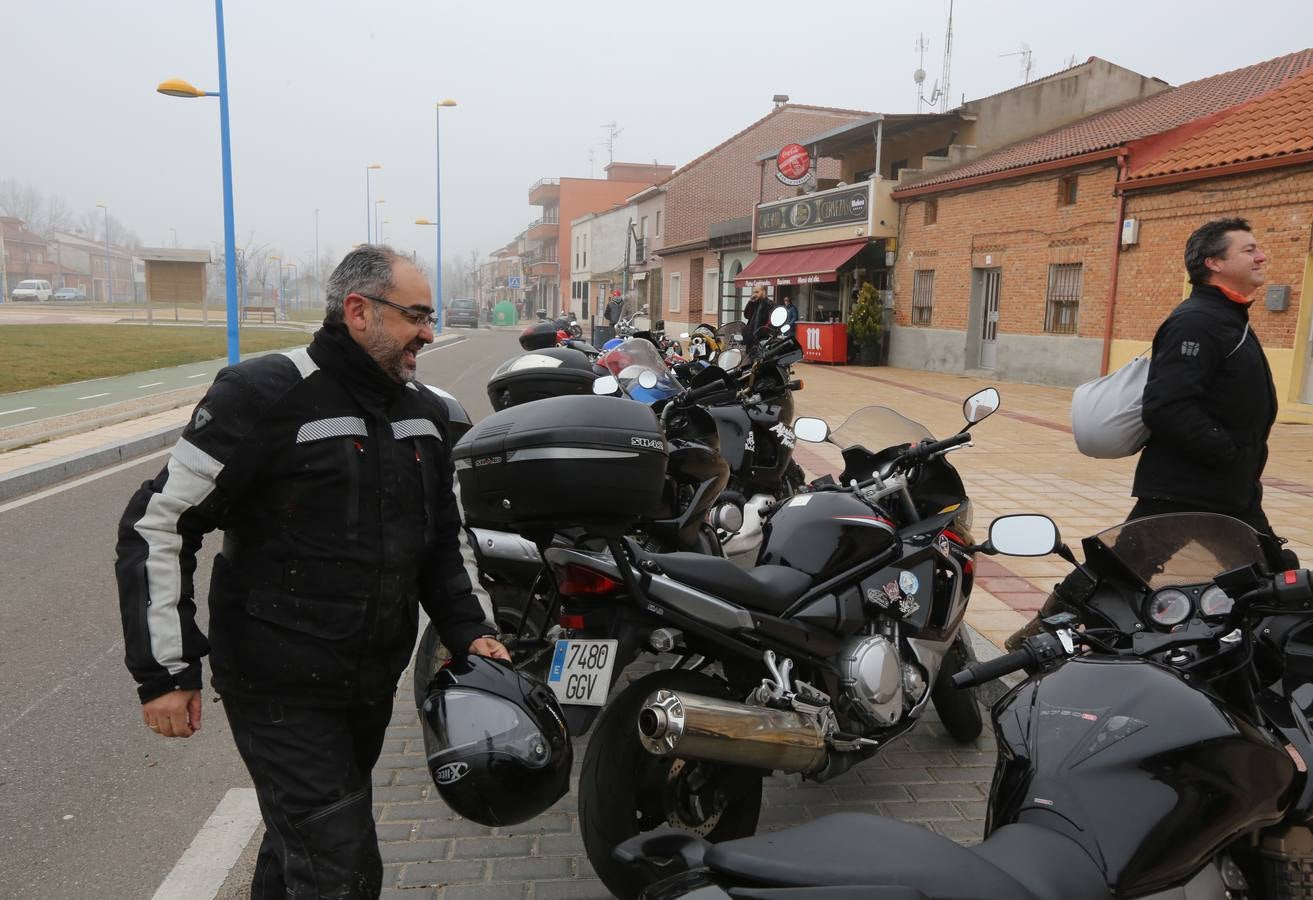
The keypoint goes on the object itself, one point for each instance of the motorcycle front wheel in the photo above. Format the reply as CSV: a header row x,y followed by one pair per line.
x,y
957,707
624,790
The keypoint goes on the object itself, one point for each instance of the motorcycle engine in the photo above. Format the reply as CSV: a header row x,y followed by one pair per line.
x,y
871,674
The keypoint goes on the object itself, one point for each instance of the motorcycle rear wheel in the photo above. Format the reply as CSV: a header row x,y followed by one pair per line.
x,y
624,790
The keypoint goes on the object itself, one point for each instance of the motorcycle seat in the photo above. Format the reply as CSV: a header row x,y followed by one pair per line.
x,y
1018,862
771,589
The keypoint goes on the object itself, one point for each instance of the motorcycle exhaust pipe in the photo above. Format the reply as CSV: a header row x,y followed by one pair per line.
x,y
505,546
674,723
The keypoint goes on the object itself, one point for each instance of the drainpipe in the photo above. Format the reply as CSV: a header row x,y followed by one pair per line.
x,y
879,143
1116,259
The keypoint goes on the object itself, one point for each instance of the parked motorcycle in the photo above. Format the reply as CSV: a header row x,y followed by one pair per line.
x,y
852,615
1157,749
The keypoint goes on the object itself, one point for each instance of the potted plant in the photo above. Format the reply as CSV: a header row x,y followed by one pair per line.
x,y
865,322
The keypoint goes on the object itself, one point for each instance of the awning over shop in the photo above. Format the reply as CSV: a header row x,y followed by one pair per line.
x,y
814,265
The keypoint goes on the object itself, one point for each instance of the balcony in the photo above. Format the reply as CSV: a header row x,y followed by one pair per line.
x,y
545,191
545,229
540,263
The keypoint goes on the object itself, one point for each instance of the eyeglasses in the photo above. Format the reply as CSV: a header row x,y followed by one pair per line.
x,y
415,315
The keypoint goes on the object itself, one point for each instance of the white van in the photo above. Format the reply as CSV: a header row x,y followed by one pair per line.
x,y
32,289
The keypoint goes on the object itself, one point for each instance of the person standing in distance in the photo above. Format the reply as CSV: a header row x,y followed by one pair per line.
x,y
329,470
1209,401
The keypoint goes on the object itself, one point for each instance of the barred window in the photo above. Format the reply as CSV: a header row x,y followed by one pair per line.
x,y
1063,298
923,296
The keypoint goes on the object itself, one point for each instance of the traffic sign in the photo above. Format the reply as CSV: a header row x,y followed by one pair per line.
x,y
513,282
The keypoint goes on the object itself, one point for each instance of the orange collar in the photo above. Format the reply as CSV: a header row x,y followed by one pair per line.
x,y
1232,295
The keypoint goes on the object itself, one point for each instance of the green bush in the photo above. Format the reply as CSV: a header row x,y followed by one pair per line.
x,y
864,319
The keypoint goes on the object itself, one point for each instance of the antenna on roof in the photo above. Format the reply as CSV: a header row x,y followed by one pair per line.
x,y
948,60
611,134
919,75
1026,55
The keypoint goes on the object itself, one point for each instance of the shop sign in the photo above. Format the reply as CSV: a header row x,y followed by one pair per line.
x,y
801,279
842,207
793,164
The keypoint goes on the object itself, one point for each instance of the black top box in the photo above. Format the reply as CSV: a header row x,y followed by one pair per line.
x,y
591,461
551,372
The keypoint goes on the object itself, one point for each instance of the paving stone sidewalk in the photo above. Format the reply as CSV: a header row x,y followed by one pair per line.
x,y
430,853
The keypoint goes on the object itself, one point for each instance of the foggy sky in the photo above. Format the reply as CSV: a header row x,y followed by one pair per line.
x,y
319,90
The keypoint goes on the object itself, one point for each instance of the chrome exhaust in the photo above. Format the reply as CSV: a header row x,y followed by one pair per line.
x,y
673,723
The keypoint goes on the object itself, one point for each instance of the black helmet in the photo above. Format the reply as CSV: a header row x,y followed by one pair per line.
x,y
496,741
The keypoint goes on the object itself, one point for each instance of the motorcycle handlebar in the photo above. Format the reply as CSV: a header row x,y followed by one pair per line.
x,y
979,673
927,449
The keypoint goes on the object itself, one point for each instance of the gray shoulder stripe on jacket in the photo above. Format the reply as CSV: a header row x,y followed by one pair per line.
x,y
408,428
301,359
192,473
342,426
471,563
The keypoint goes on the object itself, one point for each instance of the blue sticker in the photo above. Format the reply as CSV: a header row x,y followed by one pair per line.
x,y
558,661
908,582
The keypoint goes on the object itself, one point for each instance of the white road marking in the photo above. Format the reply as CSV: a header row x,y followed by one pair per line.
x,y
94,396
79,679
152,384
205,865
68,486
8,412
200,375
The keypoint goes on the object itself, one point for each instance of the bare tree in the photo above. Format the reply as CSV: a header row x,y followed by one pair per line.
x,y
42,213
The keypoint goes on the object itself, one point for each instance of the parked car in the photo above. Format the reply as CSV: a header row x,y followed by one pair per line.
x,y
32,289
70,293
461,312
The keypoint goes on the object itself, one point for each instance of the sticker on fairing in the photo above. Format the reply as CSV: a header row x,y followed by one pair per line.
x,y
801,500
909,582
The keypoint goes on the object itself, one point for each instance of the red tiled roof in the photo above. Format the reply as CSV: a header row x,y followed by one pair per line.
x,y
1152,115
1276,124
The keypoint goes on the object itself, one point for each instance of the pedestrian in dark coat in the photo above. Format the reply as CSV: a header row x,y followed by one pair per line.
x,y
329,471
1209,401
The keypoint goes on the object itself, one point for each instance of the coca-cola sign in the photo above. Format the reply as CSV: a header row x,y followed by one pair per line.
x,y
793,164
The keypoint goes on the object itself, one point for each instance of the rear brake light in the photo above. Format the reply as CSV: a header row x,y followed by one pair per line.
x,y
573,580
572,622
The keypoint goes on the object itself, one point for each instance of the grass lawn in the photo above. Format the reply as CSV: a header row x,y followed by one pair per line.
x,y
33,356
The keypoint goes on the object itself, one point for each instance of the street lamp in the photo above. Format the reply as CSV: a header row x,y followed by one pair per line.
x,y
280,284
369,208
381,238
377,204
109,272
176,87
437,224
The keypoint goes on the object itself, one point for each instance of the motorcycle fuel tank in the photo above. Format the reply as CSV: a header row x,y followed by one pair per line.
x,y
1149,775
825,534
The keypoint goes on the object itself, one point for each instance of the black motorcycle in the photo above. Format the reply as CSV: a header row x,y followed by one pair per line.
x,y
1157,749
852,616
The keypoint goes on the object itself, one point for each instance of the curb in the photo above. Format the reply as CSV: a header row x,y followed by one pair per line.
x,y
44,474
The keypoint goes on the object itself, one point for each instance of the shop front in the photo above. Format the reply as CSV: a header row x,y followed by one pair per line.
x,y
817,251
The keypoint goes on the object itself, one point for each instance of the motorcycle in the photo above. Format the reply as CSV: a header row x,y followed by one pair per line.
x,y
1158,747
852,614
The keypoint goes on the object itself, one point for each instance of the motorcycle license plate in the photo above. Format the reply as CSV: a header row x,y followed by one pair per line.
x,y
581,671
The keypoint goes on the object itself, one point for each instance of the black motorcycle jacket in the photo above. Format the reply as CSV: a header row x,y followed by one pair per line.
x,y
333,486
1209,403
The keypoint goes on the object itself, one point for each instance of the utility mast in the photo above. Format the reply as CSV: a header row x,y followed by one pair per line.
x,y
919,75
948,61
612,132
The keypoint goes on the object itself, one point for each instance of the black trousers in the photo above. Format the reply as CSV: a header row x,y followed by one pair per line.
x,y
1278,558
311,769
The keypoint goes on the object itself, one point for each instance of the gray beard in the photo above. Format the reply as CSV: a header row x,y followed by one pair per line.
x,y
390,357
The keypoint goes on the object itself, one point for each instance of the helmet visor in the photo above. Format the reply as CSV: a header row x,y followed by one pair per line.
x,y
464,722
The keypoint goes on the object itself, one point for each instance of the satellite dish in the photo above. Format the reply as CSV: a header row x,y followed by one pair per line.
x,y
919,76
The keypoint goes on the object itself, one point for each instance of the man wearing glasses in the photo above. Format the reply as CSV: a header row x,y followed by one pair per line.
x,y
329,470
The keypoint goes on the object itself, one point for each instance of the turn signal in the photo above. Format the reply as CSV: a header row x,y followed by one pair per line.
x,y
573,580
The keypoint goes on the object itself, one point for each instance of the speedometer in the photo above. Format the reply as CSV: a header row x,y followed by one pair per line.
x,y
1169,607
1215,602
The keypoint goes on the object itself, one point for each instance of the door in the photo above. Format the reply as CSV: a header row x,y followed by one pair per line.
x,y
991,281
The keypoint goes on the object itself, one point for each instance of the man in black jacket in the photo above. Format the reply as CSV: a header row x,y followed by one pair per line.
x,y
1209,401
329,471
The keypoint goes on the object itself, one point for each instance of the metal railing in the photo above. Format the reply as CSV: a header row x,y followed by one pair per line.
x,y
544,182
546,220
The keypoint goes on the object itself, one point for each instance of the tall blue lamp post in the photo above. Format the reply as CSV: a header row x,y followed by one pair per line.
x,y
176,87
437,225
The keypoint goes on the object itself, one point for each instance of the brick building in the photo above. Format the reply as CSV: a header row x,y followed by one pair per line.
x,y
1255,161
724,184
1006,263
548,251
25,255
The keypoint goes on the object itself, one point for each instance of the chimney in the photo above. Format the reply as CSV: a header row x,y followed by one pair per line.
x,y
779,100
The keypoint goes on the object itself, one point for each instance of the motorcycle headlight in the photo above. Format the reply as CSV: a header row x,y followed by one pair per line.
x,y
1168,608
1215,602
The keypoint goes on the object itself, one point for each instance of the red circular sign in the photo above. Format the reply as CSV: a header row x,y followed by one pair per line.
x,y
793,162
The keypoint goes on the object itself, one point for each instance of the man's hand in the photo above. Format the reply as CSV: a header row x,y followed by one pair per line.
x,y
486,646
176,714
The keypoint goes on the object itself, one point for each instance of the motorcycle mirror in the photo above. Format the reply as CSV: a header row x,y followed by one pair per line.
x,y
1022,535
729,359
778,316
647,379
684,335
606,385
980,406
810,429
785,329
